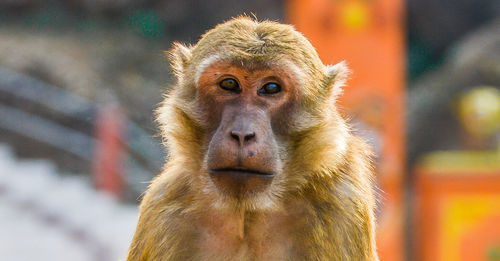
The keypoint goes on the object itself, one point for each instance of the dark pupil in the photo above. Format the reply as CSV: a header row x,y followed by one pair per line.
x,y
229,84
271,88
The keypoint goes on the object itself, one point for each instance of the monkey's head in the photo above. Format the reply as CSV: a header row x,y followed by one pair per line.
x,y
252,112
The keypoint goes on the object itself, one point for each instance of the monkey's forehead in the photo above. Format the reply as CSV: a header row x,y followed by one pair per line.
x,y
250,65
255,54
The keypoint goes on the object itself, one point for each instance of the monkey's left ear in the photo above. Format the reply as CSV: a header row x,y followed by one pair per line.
x,y
179,56
337,76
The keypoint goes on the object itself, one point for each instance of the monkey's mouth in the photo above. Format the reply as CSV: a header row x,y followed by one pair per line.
x,y
238,181
241,171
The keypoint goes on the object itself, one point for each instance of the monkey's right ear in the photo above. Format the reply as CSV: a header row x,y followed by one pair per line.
x,y
179,56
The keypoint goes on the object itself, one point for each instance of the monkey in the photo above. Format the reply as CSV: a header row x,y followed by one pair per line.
x,y
261,163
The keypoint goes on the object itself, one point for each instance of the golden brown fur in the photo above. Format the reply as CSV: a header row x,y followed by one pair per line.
x,y
319,206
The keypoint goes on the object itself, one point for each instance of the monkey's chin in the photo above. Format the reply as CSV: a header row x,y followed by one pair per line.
x,y
240,182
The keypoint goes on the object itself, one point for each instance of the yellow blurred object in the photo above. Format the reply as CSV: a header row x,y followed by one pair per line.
x,y
479,111
453,162
355,14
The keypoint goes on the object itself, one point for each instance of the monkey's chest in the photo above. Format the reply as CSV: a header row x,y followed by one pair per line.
x,y
259,242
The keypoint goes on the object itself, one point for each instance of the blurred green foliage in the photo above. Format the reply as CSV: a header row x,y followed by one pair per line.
x,y
147,23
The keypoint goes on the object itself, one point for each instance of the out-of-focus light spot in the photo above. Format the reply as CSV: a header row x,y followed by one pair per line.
x,y
355,14
479,111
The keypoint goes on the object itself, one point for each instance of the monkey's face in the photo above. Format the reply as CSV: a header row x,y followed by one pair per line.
x,y
251,104
244,111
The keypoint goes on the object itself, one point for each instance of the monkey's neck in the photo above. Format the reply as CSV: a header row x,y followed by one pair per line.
x,y
230,223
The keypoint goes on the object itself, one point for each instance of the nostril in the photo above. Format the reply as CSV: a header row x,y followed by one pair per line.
x,y
242,137
249,136
235,135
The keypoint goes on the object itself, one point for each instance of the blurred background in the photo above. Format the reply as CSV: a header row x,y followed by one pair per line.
x,y
80,79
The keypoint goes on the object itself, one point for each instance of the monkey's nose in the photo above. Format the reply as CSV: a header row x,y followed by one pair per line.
x,y
242,137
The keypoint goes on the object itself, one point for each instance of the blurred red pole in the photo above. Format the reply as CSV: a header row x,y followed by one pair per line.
x,y
368,35
109,151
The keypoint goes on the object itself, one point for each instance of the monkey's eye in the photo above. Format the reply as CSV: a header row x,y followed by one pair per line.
x,y
230,84
270,88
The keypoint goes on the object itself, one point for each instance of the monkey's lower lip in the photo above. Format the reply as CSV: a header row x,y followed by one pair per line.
x,y
242,172
239,181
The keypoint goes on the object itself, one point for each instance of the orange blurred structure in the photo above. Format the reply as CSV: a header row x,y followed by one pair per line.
x,y
458,206
368,35
109,153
